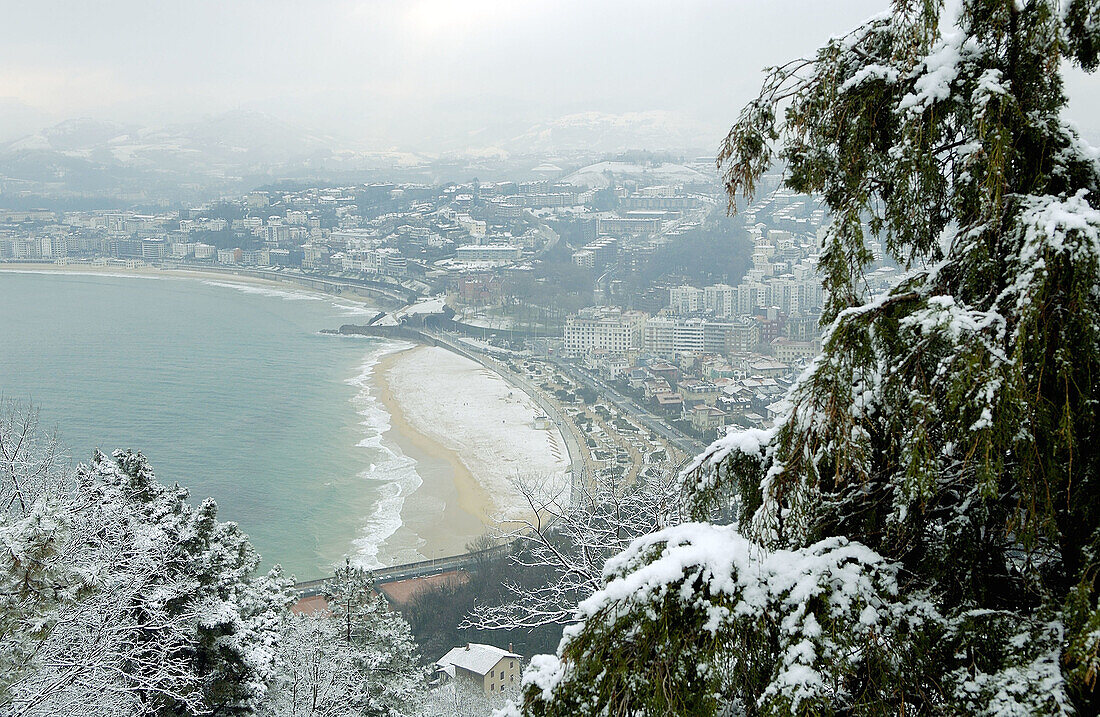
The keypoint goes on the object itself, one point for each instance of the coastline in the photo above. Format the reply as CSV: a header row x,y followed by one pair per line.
x,y
467,506
497,431
289,282
451,507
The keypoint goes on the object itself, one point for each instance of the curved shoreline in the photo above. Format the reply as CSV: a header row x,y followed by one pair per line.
x,y
468,507
468,510
229,276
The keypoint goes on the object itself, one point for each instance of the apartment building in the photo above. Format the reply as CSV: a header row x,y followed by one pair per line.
x,y
602,328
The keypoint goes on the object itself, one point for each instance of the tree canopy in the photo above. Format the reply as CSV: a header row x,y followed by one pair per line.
x,y
920,530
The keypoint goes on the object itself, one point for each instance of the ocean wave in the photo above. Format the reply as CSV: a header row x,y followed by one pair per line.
x,y
75,272
286,295
354,309
392,473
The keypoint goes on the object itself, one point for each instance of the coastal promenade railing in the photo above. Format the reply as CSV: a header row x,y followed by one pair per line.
x,y
414,570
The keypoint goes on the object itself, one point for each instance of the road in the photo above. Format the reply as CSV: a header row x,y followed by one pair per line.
x,y
414,570
627,405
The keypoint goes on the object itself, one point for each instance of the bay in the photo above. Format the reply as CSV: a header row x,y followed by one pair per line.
x,y
229,390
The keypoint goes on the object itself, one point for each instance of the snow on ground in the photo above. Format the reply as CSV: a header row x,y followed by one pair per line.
x,y
487,421
605,174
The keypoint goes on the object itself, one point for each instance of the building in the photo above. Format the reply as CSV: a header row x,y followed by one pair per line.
x,y
658,336
687,337
493,670
792,352
483,290
686,299
489,252
707,418
609,329
720,300
697,392
618,226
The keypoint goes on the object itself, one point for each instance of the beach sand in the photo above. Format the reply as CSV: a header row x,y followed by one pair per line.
x,y
450,509
473,413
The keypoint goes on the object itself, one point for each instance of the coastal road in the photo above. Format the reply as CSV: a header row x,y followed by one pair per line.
x,y
627,405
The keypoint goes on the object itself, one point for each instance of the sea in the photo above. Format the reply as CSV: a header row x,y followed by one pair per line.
x,y
230,390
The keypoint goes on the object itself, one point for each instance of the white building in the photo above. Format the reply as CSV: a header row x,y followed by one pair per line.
x,y
720,300
608,329
489,252
658,336
484,667
686,299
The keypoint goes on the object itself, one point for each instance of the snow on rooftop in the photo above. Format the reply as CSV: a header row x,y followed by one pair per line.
x,y
434,305
475,657
604,174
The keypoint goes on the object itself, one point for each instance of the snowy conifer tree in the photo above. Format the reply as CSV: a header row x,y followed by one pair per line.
x,y
208,574
920,532
116,596
361,660
317,672
80,594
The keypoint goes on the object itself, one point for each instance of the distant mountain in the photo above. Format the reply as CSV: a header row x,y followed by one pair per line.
x,y
240,150
222,153
226,143
75,137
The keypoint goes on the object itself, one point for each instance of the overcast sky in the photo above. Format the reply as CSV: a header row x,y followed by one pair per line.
x,y
395,72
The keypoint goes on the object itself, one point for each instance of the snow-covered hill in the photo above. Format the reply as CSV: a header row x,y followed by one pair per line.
x,y
607,174
601,132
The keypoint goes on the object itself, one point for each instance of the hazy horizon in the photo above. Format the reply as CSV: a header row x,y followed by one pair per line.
x,y
426,76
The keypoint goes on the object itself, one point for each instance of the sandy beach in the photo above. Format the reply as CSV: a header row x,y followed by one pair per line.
x,y
450,509
470,433
474,414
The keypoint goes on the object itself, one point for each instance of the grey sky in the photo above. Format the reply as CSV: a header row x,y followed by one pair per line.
x,y
389,73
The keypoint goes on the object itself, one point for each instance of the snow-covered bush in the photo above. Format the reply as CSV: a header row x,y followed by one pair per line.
x,y
117,596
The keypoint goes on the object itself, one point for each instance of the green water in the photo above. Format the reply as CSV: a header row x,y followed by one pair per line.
x,y
231,392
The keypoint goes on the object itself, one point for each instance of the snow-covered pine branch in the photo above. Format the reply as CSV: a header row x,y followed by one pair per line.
x,y
932,487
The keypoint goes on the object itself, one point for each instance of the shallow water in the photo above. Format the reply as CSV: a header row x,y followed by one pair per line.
x,y
229,390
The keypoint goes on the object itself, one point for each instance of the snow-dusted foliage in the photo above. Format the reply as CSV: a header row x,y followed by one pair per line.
x,y
358,660
809,619
574,537
941,456
208,573
117,596
317,672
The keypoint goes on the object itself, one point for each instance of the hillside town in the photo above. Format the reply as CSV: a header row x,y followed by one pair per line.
x,y
566,274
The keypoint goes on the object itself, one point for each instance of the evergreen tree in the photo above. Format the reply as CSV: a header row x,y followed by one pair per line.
x,y
317,673
207,575
375,644
920,532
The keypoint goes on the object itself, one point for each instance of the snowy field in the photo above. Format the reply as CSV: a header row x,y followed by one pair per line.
x,y
479,415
